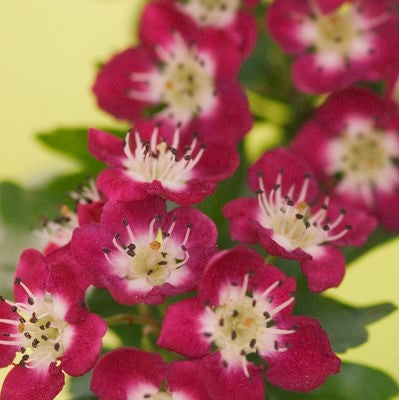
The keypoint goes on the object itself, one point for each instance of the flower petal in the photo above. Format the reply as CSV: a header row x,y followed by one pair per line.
x,y
325,270
121,373
308,361
181,329
85,345
23,383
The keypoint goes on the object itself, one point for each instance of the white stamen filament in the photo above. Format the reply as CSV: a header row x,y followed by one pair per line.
x,y
292,222
158,161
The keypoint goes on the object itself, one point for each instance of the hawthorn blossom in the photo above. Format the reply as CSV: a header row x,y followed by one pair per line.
x,y
89,203
231,19
136,374
47,330
336,42
57,233
141,253
153,160
353,145
244,307
290,220
188,80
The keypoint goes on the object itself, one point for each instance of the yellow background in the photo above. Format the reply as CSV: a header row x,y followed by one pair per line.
x,y
48,51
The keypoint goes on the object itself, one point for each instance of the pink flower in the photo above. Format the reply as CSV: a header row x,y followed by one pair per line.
x,y
243,307
353,145
48,329
141,253
154,160
232,20
57,233
188,80
135,374
337,42
290,220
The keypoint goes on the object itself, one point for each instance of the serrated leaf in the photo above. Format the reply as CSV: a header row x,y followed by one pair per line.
x,y
354,382
344,324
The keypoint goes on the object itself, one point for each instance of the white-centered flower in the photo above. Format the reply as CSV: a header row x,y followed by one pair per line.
x,y
215,13
183,84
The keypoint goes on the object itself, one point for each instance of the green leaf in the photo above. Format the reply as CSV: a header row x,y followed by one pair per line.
x,y
344,324
354,382
72,142
101,302
80,387
377,238
15,205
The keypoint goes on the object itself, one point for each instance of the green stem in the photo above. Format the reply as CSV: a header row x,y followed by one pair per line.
x,y
144,320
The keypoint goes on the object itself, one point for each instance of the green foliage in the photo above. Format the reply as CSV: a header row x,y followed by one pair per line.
x,y
344,324
72,142
354,382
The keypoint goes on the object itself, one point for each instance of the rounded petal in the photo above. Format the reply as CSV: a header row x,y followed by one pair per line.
x,y
231,383
67,283
129,370
88,213
138,214
117,185
308,361
25,383
113,83
355,102
203,232
33,271
181,329
161,21
325,270
272,163
182,379
283,20
231,266
387,210
360,224
7,353
105,147
240,212
310,76
85,345
86,246
230,120
311,144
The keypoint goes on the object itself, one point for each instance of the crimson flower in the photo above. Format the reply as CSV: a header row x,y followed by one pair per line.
x,y
244,307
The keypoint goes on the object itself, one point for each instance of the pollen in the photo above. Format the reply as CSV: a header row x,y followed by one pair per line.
x,y
155,245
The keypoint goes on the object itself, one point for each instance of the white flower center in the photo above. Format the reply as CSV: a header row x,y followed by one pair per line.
x,y
161,396
345,33
365,157
216,13
60,230
87,194
155,160
41,330
183,86
243,323
293,223
150,260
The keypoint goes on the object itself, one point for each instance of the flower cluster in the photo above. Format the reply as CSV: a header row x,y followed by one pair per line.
x,y
137,233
